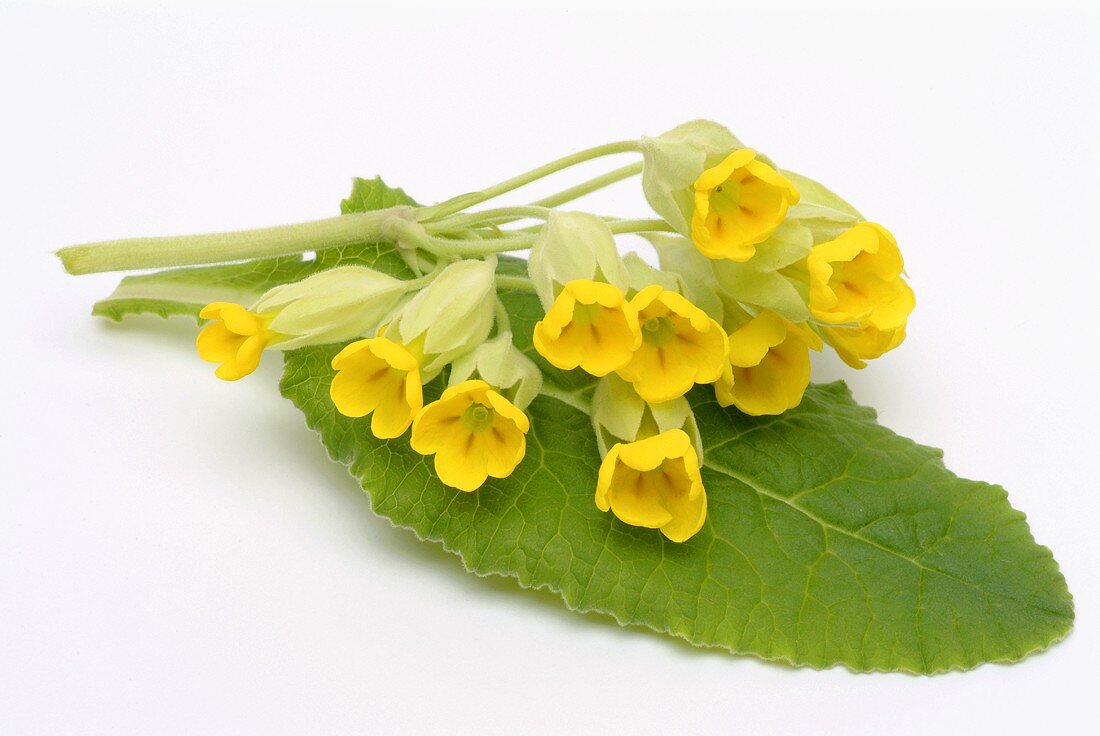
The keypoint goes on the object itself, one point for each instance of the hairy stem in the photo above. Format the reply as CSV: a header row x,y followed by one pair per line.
x,y
592,185
464,201
192,250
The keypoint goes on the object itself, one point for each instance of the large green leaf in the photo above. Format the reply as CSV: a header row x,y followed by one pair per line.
x,y
829,539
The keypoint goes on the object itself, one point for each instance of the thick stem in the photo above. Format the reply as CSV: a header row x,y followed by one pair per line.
x,y
191,250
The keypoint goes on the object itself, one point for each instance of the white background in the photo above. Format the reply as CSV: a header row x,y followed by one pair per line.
x,y
177,555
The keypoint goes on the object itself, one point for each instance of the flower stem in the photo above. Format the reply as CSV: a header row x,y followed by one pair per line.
x,y
592,185
464,248
640,226
473,248
515,283
191,250
464,201
504,323
473,219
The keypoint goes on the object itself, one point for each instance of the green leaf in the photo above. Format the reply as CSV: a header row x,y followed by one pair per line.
x,y
373,194
829,539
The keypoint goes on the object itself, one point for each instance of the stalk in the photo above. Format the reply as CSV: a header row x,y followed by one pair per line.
x,y
192,250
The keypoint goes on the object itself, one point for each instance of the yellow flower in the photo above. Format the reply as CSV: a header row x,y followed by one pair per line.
x,y
474,433
681,346
381,376
769,365
739,203
590,325
855,345
235,337
856,285
655,483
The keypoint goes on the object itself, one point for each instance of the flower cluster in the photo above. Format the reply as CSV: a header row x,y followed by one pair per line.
x,y
757,268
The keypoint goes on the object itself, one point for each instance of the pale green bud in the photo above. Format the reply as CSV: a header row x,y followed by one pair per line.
x,y
674,160
641,275
819,209
571,246
336,305
620,415
770,279
500,364
695,271
449,317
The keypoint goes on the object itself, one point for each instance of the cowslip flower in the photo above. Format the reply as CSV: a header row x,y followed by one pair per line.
x,y
474,433
769,365
738,204
378,376
572,246
856,287
681,346
655,483
856,345
591,325
235,338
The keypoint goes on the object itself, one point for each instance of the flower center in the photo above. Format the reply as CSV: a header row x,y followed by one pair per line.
x,y
477,417
585,314
726,197
657,331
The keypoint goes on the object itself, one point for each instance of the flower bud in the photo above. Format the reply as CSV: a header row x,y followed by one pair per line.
x,y
694,271
821,210
501,365
674,160
331,306
574,246
619,414
640,275
449,317
771,280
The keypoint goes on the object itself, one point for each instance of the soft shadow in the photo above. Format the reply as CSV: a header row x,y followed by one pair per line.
x,y
303,446
293,440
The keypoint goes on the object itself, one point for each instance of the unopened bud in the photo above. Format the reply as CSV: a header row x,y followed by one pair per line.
x,y
331,306
620,415
500,364
574,246
449,317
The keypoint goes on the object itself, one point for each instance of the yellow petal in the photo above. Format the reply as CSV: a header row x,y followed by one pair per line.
x,y
463,463
216,344
436,424
634,500
751,342
590,326
776,384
